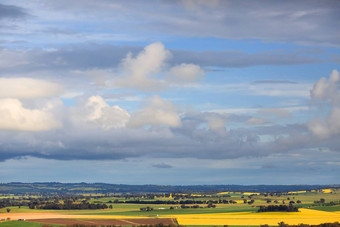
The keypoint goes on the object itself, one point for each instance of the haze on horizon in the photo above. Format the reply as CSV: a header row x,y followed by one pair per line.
x,y
170,92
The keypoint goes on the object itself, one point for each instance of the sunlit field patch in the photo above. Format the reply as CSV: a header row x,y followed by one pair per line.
x,y
223,193
297,192
251,193
239,201
305,216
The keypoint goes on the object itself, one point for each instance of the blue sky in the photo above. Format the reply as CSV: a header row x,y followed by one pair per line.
x,y
170,92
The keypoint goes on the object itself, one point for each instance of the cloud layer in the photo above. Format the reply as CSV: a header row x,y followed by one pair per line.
x,y
100,127
124,87
12,12
96,112
156,112
14,116
138,71
28,88
327,92
146,71
314,23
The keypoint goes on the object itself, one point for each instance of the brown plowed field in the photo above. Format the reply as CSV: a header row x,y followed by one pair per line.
x,y
64,221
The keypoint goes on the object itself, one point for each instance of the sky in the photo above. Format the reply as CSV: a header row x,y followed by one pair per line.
x,y
179,92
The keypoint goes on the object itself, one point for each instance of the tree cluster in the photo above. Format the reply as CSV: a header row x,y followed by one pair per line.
x,y
146,209
282,224
11,202
278,208
67,205
173,202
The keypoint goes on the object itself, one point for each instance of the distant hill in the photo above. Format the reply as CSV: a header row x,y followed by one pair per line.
x,y
64,188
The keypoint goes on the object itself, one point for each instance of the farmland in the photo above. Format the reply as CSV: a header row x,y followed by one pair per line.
x,y
196,208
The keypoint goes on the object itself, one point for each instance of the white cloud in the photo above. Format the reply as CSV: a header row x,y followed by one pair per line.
x,y
156,112
72,94
14,116
140,72
330,125
215,122
148,71
27,88
98,113
99,76
185,73
327,90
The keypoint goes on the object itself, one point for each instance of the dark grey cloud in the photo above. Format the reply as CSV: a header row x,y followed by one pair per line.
x,y
71,57
294,21
269,166
12,12
242,59
304,22
189,141
103,56
162,166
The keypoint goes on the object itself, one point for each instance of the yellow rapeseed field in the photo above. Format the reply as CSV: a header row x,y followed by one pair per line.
x,y
251,193
244,193
239,201
305,216
297,192
328,190
223,193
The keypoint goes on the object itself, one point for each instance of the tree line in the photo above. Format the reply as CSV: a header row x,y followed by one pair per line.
x,y
278,208
67,205
137,201
282,224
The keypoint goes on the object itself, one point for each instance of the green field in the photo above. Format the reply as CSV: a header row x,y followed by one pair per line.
x,y
221,209
327,208
309,200
24,224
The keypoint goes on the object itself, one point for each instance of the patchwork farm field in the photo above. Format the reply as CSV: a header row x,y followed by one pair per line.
x,y
227,208
306,216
